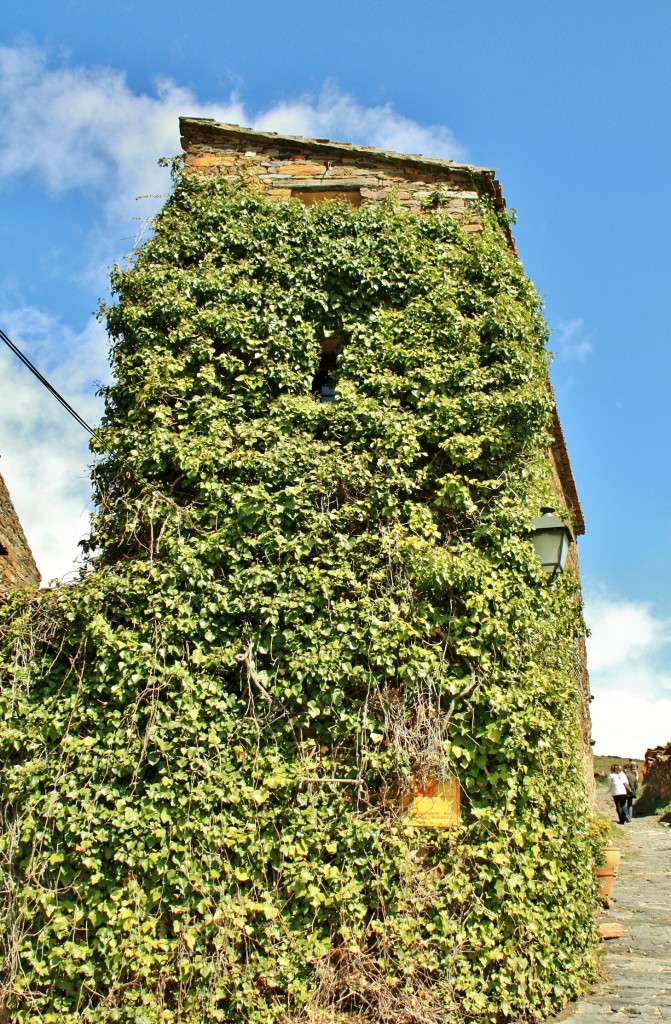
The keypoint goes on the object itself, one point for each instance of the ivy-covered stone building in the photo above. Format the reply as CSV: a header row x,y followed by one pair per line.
x,y
316,170
312,603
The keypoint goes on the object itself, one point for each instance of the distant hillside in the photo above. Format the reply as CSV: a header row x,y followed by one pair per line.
x,y
602,763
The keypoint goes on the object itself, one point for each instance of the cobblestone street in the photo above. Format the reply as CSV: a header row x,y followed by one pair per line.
x,y
637,968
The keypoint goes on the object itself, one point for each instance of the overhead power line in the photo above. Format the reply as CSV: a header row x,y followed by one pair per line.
x,y
43,380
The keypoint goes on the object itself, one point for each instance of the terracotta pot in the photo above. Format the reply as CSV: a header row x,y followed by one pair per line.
x,y
605,878
611,858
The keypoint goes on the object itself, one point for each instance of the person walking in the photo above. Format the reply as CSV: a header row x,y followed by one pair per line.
x,y
616,782
631,773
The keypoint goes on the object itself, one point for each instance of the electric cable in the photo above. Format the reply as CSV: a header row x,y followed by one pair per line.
x,y
43,380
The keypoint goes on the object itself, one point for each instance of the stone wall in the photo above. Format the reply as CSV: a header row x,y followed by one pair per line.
x,y
566,496
286,166
585,720
17,565
658,776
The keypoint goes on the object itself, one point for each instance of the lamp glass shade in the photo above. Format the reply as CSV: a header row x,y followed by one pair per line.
x,y
552,539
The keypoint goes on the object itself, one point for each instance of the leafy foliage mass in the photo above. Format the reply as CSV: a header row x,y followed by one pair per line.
x,y
295,610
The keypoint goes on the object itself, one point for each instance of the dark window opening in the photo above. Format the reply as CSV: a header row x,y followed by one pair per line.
x,y
323,385
3,549
310,196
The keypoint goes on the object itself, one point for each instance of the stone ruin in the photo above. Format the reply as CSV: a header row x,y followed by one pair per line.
x,y
657,776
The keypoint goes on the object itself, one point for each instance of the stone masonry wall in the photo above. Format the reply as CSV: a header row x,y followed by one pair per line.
x,y
17,565
658,775
284,166
566,495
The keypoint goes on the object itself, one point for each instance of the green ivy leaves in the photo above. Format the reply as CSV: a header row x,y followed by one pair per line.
x,y
207,740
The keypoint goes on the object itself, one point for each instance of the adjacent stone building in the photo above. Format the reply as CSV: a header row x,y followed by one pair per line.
x,y
17,565
657,777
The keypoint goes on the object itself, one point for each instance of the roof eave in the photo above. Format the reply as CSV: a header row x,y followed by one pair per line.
x,y
565,472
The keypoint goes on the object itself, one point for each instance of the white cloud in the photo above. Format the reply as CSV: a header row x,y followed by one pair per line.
x,y
627,657
571,342
336,115
44,451
622,631
84,128
625,724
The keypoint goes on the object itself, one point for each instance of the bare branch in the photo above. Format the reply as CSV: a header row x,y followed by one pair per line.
x,y
462,695
252,677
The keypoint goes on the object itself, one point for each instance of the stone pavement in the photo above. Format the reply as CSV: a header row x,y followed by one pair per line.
x,y
636,986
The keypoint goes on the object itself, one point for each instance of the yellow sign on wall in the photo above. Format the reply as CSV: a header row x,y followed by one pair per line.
x,y
436,804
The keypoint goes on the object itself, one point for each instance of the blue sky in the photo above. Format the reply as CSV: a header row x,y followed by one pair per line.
x,y
570,103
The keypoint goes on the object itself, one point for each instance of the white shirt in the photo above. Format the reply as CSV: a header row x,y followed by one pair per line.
x,y
616,784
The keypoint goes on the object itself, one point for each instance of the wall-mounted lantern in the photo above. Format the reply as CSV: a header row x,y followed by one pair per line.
x,y
552,539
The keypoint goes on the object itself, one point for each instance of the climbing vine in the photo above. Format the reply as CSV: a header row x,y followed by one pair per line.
x,y
293,610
